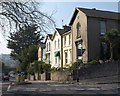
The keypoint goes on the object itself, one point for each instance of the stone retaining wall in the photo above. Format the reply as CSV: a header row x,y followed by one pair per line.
x,y
61,75
100,70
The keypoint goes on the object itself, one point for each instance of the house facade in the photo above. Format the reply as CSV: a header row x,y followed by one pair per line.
x,y
41,52
81,39
67,49
87,26
48,53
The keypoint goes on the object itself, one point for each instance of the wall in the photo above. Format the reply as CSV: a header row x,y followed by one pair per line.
x,y
49,51
94,35
56,37
67,48
100,70
82,19
61,75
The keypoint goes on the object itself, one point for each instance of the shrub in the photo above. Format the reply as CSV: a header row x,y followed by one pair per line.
x,y
93,62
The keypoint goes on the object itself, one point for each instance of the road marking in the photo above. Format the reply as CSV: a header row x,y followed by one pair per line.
x,y
57,85
8,89
93,88
30,89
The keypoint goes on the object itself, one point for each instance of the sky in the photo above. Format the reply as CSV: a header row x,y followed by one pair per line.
x,y
64,11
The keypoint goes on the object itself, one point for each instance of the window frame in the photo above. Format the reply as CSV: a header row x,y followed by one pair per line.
x,y
78,27
103,27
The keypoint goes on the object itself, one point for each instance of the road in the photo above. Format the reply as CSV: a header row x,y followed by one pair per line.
x,y
4,85
49,88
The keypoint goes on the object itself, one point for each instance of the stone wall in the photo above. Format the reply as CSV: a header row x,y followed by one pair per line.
x,y
99,70
61,75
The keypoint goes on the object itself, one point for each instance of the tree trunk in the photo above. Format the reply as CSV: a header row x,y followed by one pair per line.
x,y
111,51
34,76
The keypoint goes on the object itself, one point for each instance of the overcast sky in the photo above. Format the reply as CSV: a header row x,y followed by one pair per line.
x,y
64,11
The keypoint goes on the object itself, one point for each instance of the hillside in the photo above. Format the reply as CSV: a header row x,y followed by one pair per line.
x,y
8,60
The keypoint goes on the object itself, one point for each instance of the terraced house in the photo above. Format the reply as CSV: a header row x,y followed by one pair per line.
x,y
48,48
81,39
67,47
87,26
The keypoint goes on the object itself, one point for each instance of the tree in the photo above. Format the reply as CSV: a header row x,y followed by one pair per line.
x,y
27,56
16,15
112,38
18,41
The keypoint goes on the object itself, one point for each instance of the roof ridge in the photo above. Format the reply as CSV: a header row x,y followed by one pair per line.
x,y
95,9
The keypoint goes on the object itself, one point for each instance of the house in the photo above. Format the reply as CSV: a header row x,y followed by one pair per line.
x,y
67,47
41,52
87,26
48,53
57,48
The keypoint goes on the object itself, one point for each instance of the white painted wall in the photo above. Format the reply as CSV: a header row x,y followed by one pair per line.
x,y
56,37
49,51
67,48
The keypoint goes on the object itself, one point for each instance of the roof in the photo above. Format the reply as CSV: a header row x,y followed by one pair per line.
x,y
60,31
64,30
42,45
95,13
50,36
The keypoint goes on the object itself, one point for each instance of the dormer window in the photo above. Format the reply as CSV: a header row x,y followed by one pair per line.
x,y
78,30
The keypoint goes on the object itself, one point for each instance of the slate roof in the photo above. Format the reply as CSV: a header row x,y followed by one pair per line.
x,y
50,36
95,13
64,30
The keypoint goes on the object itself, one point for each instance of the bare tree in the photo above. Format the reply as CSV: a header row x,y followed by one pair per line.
x,y
16,15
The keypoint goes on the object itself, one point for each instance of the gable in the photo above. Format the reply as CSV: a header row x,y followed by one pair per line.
x,y
47,38
55,34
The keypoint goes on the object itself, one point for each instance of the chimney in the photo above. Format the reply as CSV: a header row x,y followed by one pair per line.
x,y
66,27
93,8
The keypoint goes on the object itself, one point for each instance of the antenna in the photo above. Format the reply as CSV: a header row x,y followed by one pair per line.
x,y
62,22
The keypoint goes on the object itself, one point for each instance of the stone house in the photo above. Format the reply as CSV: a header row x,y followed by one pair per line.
x,y
87,26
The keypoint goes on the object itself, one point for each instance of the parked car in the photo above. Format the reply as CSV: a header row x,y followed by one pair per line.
x,y
12,74
5,77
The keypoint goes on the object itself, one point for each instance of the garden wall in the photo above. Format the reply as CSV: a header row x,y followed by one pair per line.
x,y
99,70
61,75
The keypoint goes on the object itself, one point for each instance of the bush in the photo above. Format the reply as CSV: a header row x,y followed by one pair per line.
x,y
93,62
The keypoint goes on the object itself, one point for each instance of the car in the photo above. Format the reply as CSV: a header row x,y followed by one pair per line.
x,y
12,74
5,77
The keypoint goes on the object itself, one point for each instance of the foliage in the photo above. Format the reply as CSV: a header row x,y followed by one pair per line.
x,y
93,62
76,65
27,56
22,39
18,68
20,14
38,67
112,38
46,67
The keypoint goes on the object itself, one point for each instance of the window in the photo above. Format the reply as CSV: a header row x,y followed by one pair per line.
x,y
102,27
48,58
58,60
55,60
66,57
70,55
69,39
58,43
49,46
78,30
55,44
65,41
